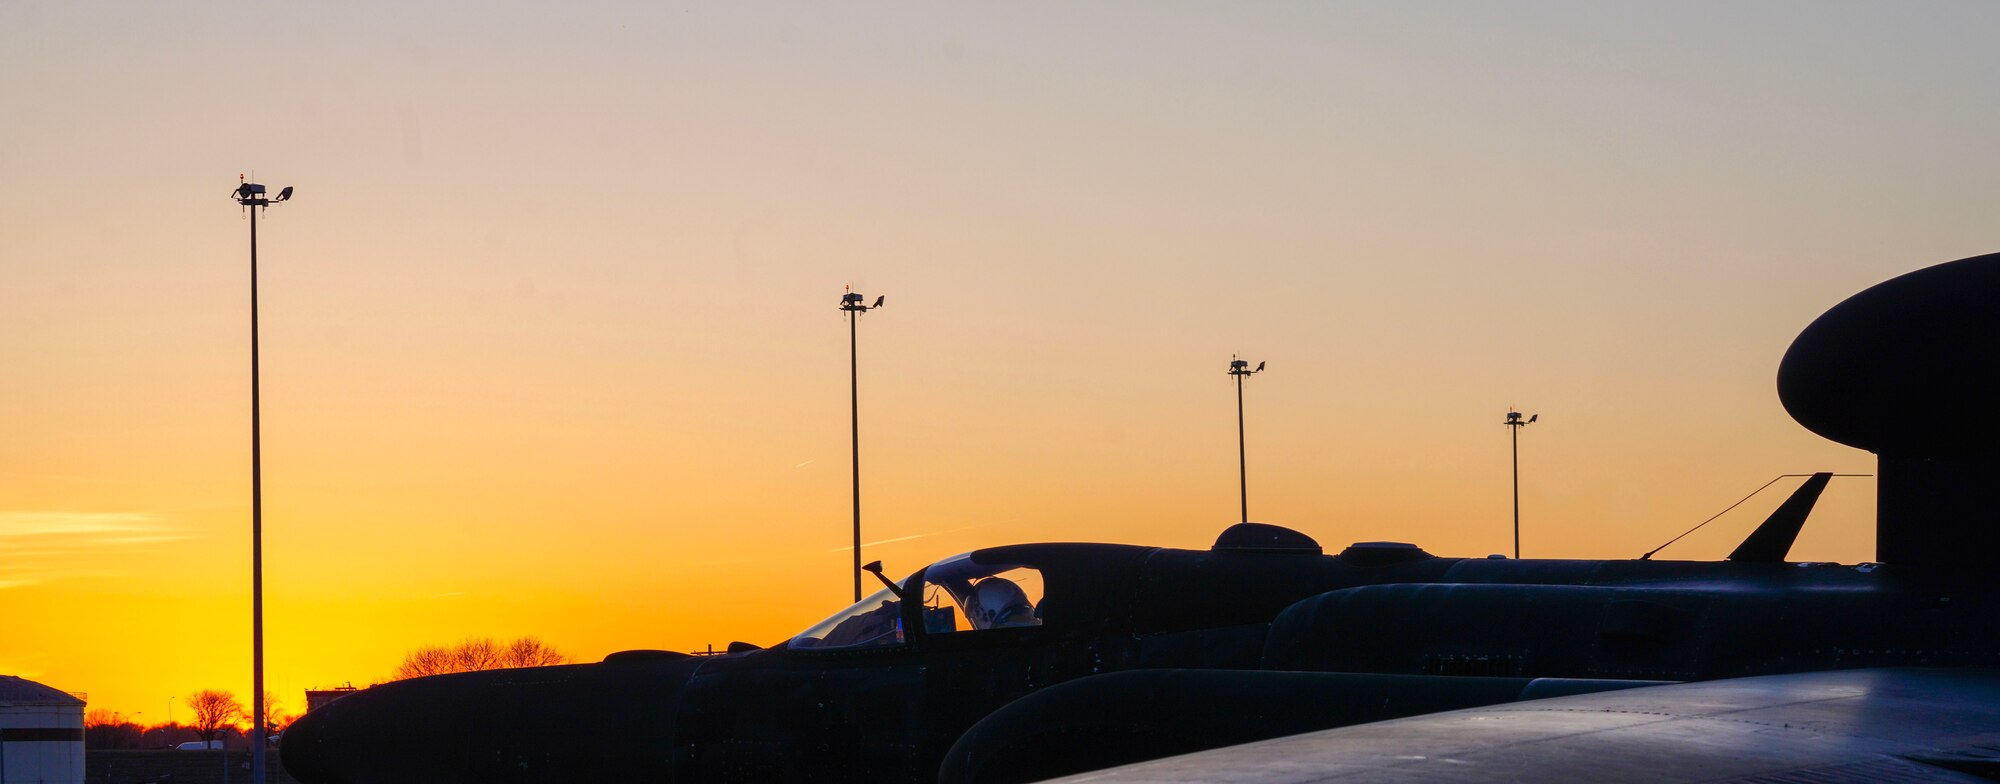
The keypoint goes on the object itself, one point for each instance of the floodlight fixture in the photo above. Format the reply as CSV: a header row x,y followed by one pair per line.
x,y
250,194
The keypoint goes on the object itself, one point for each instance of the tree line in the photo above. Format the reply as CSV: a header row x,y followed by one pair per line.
x,y
478,653
219,715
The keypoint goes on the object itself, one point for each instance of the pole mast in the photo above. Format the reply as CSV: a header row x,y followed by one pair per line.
x,y
851,304
252,196
1514,424
854,427
1240,368
259,731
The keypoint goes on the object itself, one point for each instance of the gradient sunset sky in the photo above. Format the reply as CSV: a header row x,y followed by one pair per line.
x,y
550,338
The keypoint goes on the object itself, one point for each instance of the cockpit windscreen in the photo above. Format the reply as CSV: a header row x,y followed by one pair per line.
x,y
875,620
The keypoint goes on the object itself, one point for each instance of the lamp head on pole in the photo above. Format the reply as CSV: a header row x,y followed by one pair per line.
x,y
1241,367
250,194
852,302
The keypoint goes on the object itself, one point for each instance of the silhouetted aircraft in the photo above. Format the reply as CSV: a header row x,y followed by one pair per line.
x,y
1029,661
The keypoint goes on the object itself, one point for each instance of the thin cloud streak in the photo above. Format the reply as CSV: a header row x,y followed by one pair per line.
x,y
75,523
44,547
30,578
130,540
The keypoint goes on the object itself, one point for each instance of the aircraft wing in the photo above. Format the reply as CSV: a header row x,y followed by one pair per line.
x,y
1901,724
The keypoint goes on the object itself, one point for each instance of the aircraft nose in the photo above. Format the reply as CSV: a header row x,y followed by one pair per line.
x,y
584,722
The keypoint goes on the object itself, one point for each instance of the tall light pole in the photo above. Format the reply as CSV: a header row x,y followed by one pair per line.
x,y
1241,370
1514,425
850,303
252,197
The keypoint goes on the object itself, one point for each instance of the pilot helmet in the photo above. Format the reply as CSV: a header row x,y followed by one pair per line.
x,y
997,601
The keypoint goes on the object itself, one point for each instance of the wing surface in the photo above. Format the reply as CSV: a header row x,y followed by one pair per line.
x,y
1902,724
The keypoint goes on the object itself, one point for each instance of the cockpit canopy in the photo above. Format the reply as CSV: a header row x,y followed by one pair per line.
x,y
959,594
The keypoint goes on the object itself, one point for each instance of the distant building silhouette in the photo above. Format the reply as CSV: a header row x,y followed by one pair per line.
x,y
318,698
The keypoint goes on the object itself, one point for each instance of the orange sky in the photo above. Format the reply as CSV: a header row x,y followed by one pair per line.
x,y
550,339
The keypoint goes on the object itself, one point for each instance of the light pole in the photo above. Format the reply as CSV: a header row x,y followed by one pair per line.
x,y
1241,370
850,303
1514,425
252,197
123,720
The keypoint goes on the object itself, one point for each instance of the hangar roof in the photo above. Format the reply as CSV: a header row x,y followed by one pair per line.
x,y
20,691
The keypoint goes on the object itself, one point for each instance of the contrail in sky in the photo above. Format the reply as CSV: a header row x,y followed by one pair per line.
x,y
911,536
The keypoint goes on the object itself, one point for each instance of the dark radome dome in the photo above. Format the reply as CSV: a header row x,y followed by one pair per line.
x,y
1265,538
1908,367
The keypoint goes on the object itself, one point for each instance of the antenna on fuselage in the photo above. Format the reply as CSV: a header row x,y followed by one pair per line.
x,y
1778,531
1773,539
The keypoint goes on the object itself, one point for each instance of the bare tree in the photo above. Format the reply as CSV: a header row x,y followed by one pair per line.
x,y
275,719
478,653
109,729
214,710
531,652
425,660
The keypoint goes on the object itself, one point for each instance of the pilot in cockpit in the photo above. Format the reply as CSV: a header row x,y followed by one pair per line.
x,y
998,603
